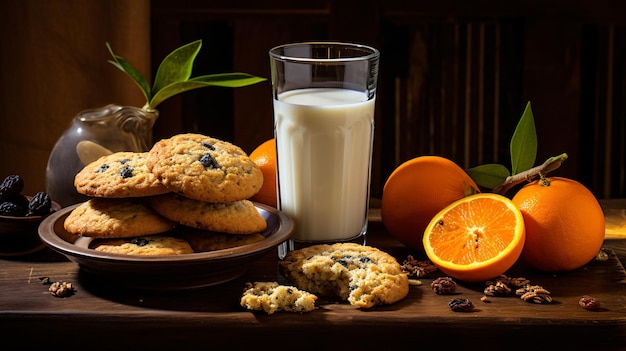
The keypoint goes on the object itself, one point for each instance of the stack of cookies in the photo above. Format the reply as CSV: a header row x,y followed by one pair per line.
x,y
188,194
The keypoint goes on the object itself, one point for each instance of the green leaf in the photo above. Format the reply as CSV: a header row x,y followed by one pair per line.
x,y
176,67
524,143
488,175
173,75
131,71
228,80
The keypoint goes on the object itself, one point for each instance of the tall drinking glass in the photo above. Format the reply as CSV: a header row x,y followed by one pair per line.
x,y
324,95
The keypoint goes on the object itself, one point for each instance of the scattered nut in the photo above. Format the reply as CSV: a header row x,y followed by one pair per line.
x,y
443,286
497,289
534,293
509,281
417,269
61,289
601,256
415,282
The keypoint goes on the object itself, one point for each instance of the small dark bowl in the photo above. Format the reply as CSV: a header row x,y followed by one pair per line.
x,y
19,235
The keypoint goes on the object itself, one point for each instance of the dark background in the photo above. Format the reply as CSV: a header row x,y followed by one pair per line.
x,y
455,76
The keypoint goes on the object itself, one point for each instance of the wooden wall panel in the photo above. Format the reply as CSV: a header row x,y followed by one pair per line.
x,y
455,76
53,64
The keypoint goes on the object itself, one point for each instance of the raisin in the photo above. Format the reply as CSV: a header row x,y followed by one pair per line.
x,y
124,161
208,161
126,172
11,186
103,167
589,303
209,146
40,204
461,305
342,261
140,242
364,259
9,208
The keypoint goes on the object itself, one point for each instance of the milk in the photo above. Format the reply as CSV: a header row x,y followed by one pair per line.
x,y
324,147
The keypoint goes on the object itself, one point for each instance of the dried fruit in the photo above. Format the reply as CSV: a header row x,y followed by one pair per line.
x,y
140,241
11,186
461,305
126,172
10,208
589,303
208,161
103,168
13,203
40,204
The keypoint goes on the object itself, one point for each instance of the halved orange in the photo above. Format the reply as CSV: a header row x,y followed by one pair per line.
x,y
476,238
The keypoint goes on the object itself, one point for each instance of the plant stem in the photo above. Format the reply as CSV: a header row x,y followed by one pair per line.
x,y
542,170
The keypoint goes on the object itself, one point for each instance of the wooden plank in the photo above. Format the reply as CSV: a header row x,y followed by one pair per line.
x,y
212,315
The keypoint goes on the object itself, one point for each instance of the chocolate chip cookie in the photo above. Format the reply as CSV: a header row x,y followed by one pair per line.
x,y
115,218
207,240
144,245
119,175
238,217
204,168
363,275
271,297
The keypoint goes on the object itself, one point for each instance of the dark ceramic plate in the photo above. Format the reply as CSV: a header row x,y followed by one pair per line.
x,y
176,272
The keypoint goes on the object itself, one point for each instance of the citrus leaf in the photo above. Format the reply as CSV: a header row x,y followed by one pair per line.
x,y
228,80
131,71
524,143
488,175
176,66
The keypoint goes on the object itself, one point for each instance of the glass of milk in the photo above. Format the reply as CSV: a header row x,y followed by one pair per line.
x,y
324,96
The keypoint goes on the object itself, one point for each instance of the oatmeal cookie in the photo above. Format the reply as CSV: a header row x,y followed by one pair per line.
x,y
144,245
119,175
239,217
363,275
272,297
115,218
205,168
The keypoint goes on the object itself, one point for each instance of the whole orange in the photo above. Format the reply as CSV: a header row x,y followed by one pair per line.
x,y
417,190
564,224
265,157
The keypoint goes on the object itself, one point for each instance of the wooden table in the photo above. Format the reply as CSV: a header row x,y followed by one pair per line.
x,y
100,316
